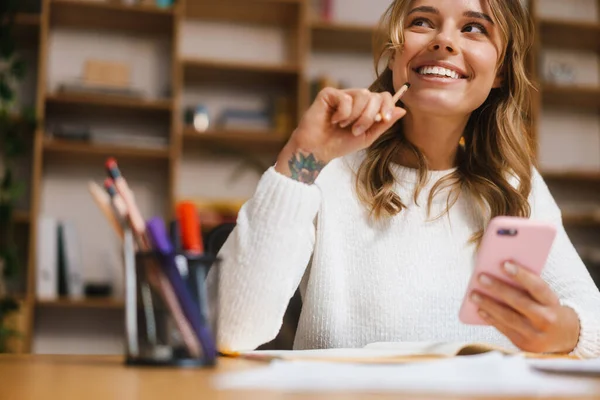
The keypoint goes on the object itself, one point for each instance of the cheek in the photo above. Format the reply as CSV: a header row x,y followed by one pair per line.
x,y
401,64
483,61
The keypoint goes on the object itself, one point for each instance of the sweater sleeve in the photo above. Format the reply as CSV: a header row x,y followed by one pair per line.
x,y
263,261
567,275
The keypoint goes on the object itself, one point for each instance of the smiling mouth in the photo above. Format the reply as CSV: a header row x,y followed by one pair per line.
x,y
439,72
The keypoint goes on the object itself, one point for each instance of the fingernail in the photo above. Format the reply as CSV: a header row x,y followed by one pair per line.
x,y
335,122
485,280
388,116
483,314
476,298
344,124
510,268
378,118
358,130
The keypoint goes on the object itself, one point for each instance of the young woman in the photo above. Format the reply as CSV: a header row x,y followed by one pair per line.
x,y
375,209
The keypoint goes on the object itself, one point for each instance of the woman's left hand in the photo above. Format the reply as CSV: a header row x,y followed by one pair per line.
x,y
532,318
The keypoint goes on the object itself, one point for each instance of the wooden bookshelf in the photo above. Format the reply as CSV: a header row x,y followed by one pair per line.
x,y
86,303
78,101
236,73
267,142
571,97
582,176
326,36
83,149
574,35
111,16
581,220
271,12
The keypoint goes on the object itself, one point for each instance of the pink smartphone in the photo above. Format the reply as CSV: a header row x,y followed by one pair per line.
x,y
523,241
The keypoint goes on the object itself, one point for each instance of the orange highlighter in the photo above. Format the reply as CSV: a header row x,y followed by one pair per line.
x,y
190,227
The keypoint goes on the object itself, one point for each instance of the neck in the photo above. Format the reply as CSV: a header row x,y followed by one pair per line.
x,y
437,137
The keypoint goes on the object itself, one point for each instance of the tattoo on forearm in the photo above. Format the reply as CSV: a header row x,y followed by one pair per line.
x,y
305,168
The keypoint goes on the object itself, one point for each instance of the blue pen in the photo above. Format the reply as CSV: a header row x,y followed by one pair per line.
x,y
160,241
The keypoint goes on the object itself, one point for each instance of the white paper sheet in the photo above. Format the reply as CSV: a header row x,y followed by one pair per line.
x,y
588,367
371,351
486,374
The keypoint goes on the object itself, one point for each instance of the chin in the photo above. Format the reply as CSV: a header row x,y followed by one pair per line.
x,y
439,105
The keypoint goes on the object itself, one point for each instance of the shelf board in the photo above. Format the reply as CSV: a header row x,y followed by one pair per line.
x,y
583,176
239,73
571,96
83,149
272,12
101,303
266,142
573,35
28,19
581,220
326,36
100,101
111,16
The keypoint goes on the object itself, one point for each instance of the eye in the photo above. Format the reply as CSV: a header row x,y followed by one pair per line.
x,y
475,28
422,22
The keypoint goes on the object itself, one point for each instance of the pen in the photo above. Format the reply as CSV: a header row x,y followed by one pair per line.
x,y
158,236
154,274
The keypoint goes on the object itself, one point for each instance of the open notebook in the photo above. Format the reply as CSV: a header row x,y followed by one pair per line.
x,y
387,352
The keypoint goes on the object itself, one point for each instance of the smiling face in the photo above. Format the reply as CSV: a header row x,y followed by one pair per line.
x,y
450,56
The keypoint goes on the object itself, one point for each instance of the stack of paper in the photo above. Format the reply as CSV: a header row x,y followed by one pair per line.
x,y
491,373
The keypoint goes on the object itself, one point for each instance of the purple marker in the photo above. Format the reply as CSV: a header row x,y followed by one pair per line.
x,y
157,233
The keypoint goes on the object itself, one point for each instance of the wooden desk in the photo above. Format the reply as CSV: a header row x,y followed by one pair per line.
x,y
34,377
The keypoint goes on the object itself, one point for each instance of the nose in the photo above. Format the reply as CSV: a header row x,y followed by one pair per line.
x,y
444,43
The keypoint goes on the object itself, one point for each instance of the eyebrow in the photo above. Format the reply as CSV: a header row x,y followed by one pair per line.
x,y
470,14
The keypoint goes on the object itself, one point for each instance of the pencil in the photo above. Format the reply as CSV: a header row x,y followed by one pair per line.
x,y
395,99
102,200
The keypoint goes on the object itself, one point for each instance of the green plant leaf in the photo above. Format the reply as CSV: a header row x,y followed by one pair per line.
x,y
10,256
16,191
18,68
29,116
7,180
8,305
6,92
7,46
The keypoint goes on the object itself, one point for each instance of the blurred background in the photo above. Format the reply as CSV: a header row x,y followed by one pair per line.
x,y
194,98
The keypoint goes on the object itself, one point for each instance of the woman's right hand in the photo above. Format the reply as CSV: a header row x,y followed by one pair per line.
x,y
339,122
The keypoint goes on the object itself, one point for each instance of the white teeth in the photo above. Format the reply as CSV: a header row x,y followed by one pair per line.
x,y
439,71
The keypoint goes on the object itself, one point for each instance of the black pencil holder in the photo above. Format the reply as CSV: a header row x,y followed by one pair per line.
x,y
158,324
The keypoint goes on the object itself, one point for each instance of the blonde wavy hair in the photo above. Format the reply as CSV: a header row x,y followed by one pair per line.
x,y
496,142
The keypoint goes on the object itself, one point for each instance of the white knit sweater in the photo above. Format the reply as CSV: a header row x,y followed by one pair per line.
x,y
402,280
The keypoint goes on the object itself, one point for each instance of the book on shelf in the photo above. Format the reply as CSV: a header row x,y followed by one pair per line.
x,y
59,269
85,88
